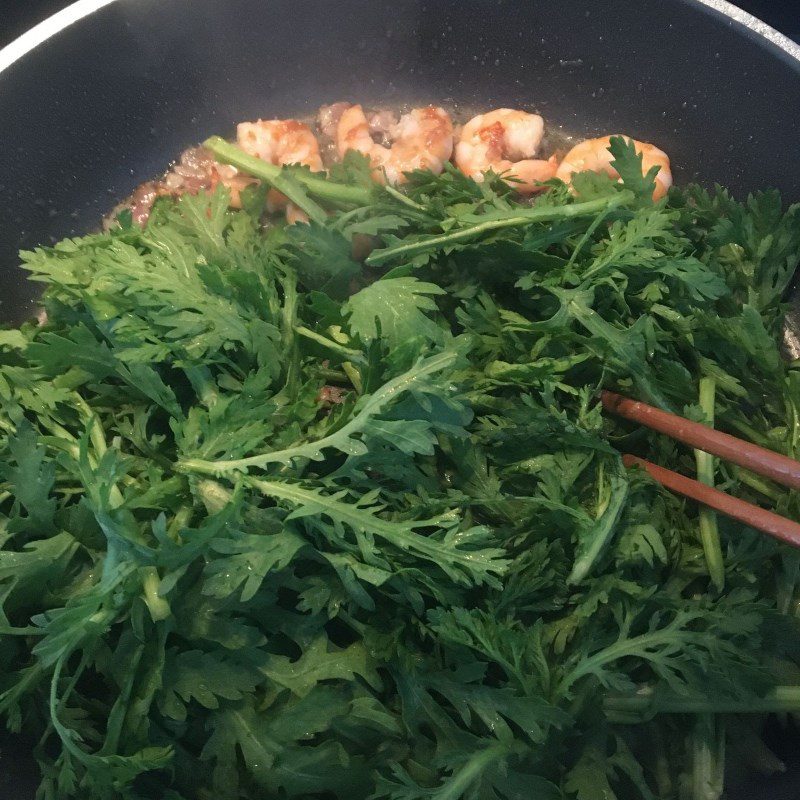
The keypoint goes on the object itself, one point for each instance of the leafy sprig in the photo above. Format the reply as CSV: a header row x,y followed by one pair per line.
x,y
276,521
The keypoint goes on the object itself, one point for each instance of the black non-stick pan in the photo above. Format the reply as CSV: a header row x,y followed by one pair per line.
x,y
106,102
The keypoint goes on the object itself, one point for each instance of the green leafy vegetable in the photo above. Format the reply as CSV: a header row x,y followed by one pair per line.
x,y
283,518
395,307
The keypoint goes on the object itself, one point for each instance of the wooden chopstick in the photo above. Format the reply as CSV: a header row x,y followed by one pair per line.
x,y
780,468
781,528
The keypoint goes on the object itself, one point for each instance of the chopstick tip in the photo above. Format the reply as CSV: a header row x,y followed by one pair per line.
x,y
610,400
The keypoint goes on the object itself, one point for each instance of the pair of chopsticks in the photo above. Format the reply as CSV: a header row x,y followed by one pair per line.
x,y
780,468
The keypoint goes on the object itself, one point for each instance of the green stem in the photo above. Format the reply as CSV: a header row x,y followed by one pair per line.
x,y
214,495
67,739
333,375
645,704
347,352
708,758
116,717
276,177
757,483
612,497
345,218
402,198
86,658
464,777
517,218
93,425
402,535
98,440
148,682
752,434
371,405
336,193
354,376
661,763
596,223
749,748
709,533
181,520
793,425
157,605
288,333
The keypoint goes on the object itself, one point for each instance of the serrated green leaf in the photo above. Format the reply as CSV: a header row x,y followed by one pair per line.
x,y
396,306
321,661
247,560
204,678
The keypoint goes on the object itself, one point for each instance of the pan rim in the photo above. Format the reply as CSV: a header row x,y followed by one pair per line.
x,y
755,24
40,33
46,29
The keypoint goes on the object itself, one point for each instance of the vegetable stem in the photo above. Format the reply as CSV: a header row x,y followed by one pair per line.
x,y
98,440
318,186
157,605
182,518
371,405
347,352
355,377
612,498
708,758
757,483
647,703
584,240
464,777
214,495
401,534
511,219
288,333
709,532
116,718
750,748
402,198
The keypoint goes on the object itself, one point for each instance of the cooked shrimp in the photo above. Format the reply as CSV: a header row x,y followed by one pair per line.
x,y
506,142
382,124
233,180
280,141
328,118
421,139
593,155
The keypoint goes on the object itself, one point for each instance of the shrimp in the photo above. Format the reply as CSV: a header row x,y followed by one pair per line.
x,y
328,119
421,139
593,155
505,141
233,180
281,141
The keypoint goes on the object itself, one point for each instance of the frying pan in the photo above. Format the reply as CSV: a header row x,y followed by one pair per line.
x,y
106,93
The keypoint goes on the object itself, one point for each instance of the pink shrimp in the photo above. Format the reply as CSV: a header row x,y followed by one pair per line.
x,y
593,155
421,139
505,141
280,141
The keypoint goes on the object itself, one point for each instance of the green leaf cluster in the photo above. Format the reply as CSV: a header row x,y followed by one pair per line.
x,y
280,521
